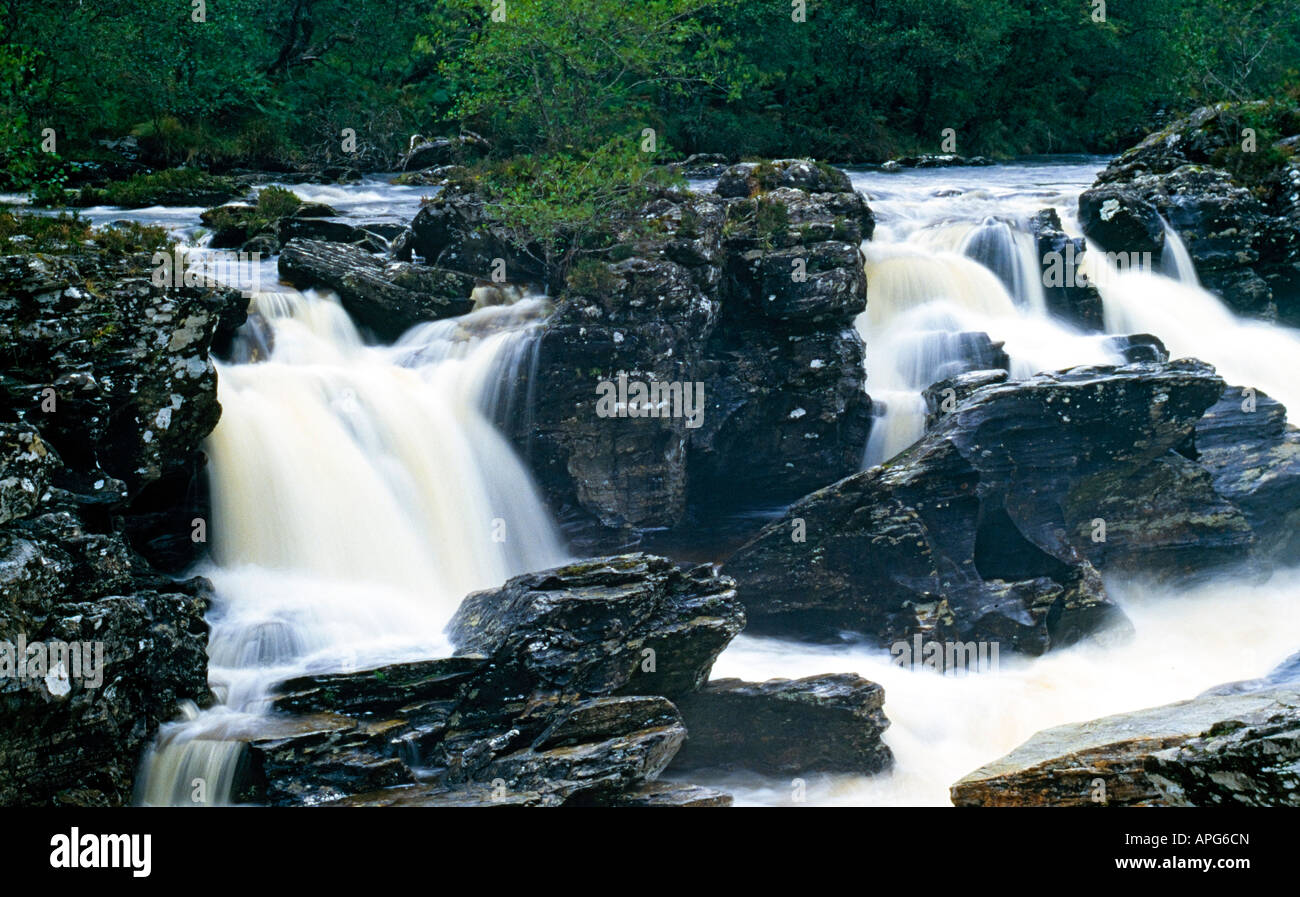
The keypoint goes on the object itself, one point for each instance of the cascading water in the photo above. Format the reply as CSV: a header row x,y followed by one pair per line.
x,y
942,271
359,492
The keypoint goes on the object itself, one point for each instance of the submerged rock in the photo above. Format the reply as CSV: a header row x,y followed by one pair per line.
x,y
1218,750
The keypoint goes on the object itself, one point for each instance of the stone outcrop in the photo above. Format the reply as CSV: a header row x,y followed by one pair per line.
x,y
106,392
829,723
561,691
990,526
1236,208
1217,750
386,298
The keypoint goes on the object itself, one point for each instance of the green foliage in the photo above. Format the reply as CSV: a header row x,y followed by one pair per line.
x,y
171,186
69,232
564,204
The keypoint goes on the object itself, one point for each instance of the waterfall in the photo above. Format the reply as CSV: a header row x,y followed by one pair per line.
x,y
1175,260
926,304
359,492
1193,322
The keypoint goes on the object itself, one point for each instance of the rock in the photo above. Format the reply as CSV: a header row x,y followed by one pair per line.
x,y
118,380
317,229
106,393
932,160
663,794
1118,219
559,692
982,530
1285,673
1236,210
444,151
1237,750
701,166
385,298
77,740
780,727
453,231
1253,456
1067,293
1138,348
750,178
588,627
26,466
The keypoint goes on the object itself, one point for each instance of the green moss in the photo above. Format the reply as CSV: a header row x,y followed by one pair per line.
x,y
171,186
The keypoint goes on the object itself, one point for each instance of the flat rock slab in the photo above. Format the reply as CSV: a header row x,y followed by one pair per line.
x,y
1162,756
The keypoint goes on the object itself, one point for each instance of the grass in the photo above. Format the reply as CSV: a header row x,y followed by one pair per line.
x,y
69,232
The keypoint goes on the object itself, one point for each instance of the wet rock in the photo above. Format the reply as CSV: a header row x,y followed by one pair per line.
x,y
1237,211
1234,750
76,739
1066,291
1253,456
983,530
666,794
829,723
385,298
592,627
443,151
559,692
26,466
1138,348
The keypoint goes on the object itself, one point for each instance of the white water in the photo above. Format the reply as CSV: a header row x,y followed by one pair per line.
x,y
359,493
943,727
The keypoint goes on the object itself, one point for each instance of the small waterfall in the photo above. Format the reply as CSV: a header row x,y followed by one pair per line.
x,y
359,492
1193,322
926,303
1175,260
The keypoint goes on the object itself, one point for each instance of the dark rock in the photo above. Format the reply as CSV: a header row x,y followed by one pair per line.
x,y
780,727
980,531
1066,290
1253,456
664,794
633,624
1139,348
1237,750
750,178
444,151
559,693
1237,214
386,298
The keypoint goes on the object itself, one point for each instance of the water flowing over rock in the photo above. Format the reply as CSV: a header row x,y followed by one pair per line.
x,y
560,688
387,298
984,529
1239,219
1219,750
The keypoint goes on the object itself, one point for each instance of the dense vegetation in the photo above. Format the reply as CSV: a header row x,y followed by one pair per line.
x,y
270,83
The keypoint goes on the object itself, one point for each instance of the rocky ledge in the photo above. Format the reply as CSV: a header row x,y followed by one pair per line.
x,y
565,689
1227,180
1236,746
106,392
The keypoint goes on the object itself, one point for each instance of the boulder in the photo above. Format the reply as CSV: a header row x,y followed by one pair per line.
x,y
987,528
1217,750
1253,457
386,298
559,692
829,723
1236,209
